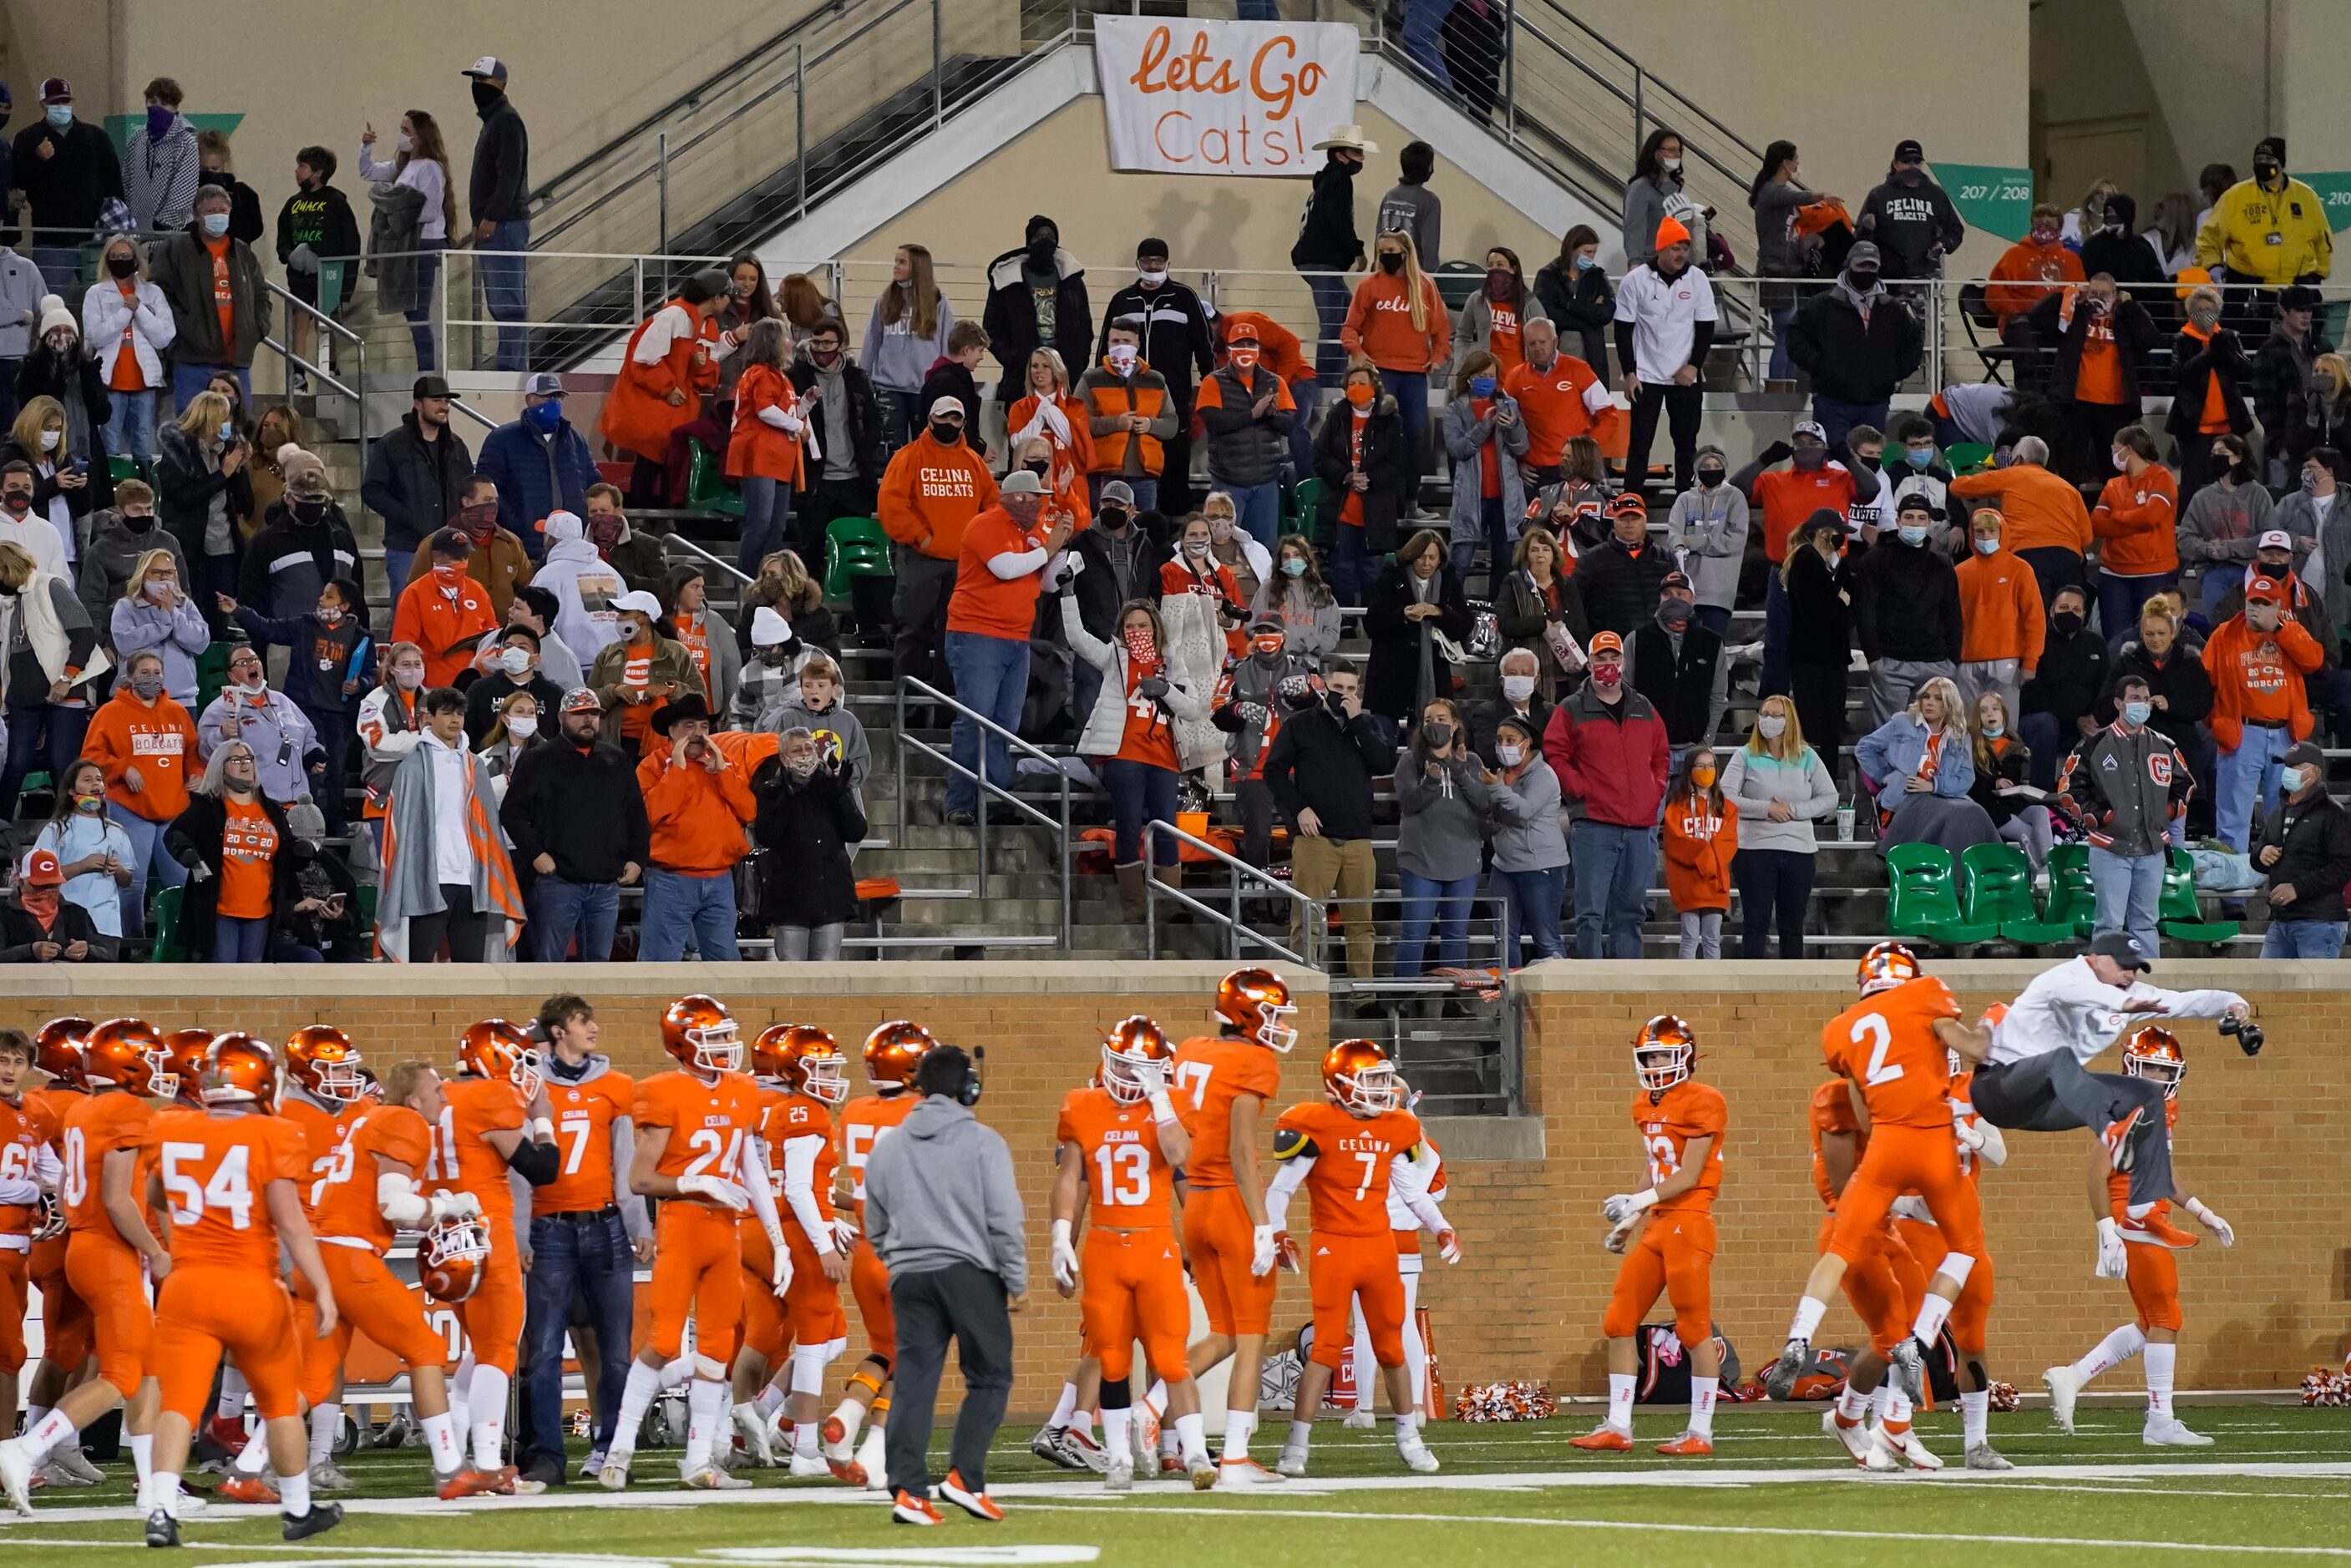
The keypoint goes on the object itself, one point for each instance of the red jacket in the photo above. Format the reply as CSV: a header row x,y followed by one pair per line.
x,y
1614,765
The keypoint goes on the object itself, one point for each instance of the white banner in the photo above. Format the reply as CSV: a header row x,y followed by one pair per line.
x,y
1224,98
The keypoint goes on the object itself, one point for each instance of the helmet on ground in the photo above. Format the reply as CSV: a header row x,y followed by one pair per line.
x,y
894,1051
453,1258
1132,1042
2155,1052
499,1049
1359,1075
1255,1001
808,1061
1885,966
240,1070
57,1049
1664,1053
700,1033
128,1054
322,1059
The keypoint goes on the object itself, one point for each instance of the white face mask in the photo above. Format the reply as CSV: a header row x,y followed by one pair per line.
x,y
1770,725
49,439
515,660
1670,165
1518,687
1123,356
406,143
522,726
1150,279
1509,755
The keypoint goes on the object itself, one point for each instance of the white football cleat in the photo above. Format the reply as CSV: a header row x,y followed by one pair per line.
x,y
327,1476
1984,1456
69,1459
752,1427
1203,1471
1415,1456
16,1476
1360,1420
1858,1442
1083,1453
1291,1464
2064,1388
613,1476
805,1467
1247,1473
1120,1477
2170,1432
1908,1447
710,1478
873,1453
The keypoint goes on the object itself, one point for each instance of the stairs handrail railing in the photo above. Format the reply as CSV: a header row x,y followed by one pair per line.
x,y
1059,826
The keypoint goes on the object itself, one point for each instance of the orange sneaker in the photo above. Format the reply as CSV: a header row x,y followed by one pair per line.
x,y
2118,1139
2155,1228
250,1490
975,1503
1689,1445
1604,1440
908,1509
465,1483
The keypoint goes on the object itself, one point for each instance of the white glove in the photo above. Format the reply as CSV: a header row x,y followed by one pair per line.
x,y
716,1188
2221,1229
1448,1246
845,1232
455,1206
1969,1133
780,1277
1261,1251
1627,1205
1616,1241
1912,1208
2113,1264
1065,1257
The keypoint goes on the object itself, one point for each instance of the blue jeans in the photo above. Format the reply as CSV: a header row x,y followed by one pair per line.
x,y
1410,389
1307,395
146,850
2129,889
130,428
1534,901
397,564
558,908
240,941
1837,416
2121,599
588,1254
678,906
48,734
991,679
1331,298
337,730
2240,778
1782,368
1257,507
766,511
1146,490
1352,566
1139,792
2048,740
1612,866
500,263
2218,578
187,381
1493,526
1449,904
2303,938
420,315
902,415
1424,20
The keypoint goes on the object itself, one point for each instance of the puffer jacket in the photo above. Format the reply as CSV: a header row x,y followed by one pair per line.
x,y
1106,725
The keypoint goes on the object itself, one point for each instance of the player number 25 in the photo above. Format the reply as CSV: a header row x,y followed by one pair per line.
x,y
230,1191
1881,1071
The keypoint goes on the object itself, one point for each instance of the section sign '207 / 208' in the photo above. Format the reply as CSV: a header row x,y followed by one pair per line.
x,y
1222,98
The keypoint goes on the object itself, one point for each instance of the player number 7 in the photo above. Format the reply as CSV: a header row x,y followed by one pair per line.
x,y
1880,1070
1195,1075
577,1129
1371,1169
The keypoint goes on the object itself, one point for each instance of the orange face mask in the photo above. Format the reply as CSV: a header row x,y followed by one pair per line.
x,y
1244,358
1360,394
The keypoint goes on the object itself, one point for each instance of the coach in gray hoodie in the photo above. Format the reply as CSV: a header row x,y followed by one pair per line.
x,y
944,1214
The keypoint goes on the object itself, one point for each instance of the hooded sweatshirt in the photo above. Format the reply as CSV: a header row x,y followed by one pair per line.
x,y
584,585
941,1193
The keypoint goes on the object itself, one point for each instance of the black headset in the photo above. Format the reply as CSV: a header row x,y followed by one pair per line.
x,y
967,1093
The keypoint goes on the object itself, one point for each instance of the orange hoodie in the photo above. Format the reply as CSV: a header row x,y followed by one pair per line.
x,y
1379,325
2024,274
697,815
2259,676
159,742
2000,613
930,492
447,628
2043,510
2137,518
1698,847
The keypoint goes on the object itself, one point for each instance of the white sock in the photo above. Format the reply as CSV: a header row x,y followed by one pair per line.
x,y
1702,1393
804,1440
231,1403
1065,1407
461,1413
1239,1423
2162,1360
143,1453
1083,1423
852,1415
1118,1435
1851,1403
1407,1426
770,1400
2118,1347
1155,1399
1897,1406
1880,1397
162,1492
1975,1418
636,1398
441,1441
705,1405
486,1401
294,1494
1191,1435
1301,1434
677,1371
1620,1402
1931,1314
1809,1313
254,1457
326,1421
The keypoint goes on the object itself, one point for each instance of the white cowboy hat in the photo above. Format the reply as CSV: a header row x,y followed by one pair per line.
x,y
1351,135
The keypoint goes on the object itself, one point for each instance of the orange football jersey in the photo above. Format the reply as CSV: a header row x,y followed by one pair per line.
x,y
1209,1073
463,1160
215,1171
344,1202
96,1126
1689,1110
864,1122
787,1117
322,1130
1348,1186
24,1131
1832,1112
707,1124
1128,1179
1886,1044
584,1115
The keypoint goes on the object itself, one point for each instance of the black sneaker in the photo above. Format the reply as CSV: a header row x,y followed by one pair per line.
x,y
546,1469
322,1517
961,819
162,1530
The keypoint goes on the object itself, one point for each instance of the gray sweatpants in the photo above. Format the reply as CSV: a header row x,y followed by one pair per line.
x,y
966,1303
1894,681
2053,1092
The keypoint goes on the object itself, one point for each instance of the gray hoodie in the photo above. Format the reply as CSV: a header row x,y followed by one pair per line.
x,y
941,1193
560,1090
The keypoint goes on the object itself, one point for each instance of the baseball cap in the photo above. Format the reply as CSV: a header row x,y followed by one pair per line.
x,y
1864,253
42,870
1628,504
2305,754
428,386
638,600
488,69
1675,580
1671,231
450,542
1916,500
1607,642
1907,150
942,407
2276,539
1813,429
2124,948
2265,590
1117,492
1152,246
544,384
56,89
1269,623
582,700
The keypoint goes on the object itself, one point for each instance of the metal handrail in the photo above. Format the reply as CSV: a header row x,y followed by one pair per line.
x,y
461,406
696,551
988,788
1313,918
292,360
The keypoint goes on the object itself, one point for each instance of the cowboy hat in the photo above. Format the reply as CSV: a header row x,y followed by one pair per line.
x,y
690,706
1347,135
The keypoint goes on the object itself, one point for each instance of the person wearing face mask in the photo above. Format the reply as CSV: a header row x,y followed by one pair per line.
x,y
128,325
2059,701
1328,246
1783,248
2286,398
540,462
1522,702
495,563
1485,438
2099,340
1858,342
2001,615
68,168
1790,498
934,487
1575,292
2299,845
954,375
1051,415
819,706
1708,531
850,432
389,724
2271,229
2314,513
499,198
2117,249
1444,794
2220,520
1780,787
1417,599
242,857
2047,525
284,744
576,815
70,452
1816,593
159,162
770,676
444,611
1179,341
326,674
156,613
1701,837
1906,616
1656,192
414,211
1679,666
2169,657
2259,659
513,729
1249,710
1397,322
2137,516
989,617
1621,580
1495,317
1912,220
517,670
1607,744
2029,269
664,370
640,670
119,538
809,822
1362,457
1913,467
46,485
1036,297
1247,414
305,544
1530,846
768,453
39,925
318,242
22,288
1665,327
2285,558
52,659
1296,594
1118,559
94,853
1130,415
1131,733
1410,206
2123,785
143,742
2003,773
220,308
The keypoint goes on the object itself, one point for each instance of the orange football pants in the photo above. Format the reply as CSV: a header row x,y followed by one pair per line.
x,y
1971,1314
2154,1281
205,1311
869,1282
1134,1287
493,1315
1221,1240
1901,1160
65,1319
369,1301
1874,1288
108,1276
812,1303
14,1272
1341,1271
764,1327
697,1272
1675,1255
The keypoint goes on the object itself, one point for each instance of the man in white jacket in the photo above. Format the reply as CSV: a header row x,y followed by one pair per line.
x,y
585,586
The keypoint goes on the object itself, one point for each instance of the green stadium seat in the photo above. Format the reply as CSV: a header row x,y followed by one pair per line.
x,y
1306,500
1967,455
854,547
1458,282
706,489
170,945
120,466
2178,914
1923,897
2072,900
1999,892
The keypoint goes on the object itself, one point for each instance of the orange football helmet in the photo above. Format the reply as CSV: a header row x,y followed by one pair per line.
x,y
240,1071
810,1063
2155,1052
57,1049
453,1258
700,1033
1134,1042
495,1048
1664,1052
767,1055
185,1051
1885,966
894,1051
127,1053
1358,1074
1255,1001
322,1059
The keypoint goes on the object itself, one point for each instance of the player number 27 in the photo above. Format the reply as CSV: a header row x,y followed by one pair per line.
x,y
1126,1171
230,1191
1872,1025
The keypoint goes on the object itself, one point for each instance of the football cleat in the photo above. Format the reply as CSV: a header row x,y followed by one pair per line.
x,y
1689,1445
1860,1444
874,1457
1203,1471
1603,1439
1905,1445
1247,1473
752,1428
328,1476
1047,1446
322,1517
2120,1148
710,1478
2155,1228
614,1474
162,1530
227,1432
252,1490
463,1483
1291,1464
1415,1456
75,1465
1082,1452
1984,1456
1120,1477
908,1509
1792,1357
2064,1388
803,1467
975,1503
593,1465
2170,1432
1360,1420
1170,1465
16,1476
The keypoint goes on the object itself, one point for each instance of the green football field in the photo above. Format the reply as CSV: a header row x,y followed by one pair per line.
x,y
2276,1484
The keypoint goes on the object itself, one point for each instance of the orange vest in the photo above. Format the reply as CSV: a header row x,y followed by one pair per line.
x,y
1107,399
638,415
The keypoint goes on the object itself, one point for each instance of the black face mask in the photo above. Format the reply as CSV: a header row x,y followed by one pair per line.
x,y
138,524
1114,519
1439,735
1390,261
484,95
1037,466
1709,477
1862,281
2265,170
944,433
17,501
309,513
122,267
1041,249
1868,462
2065,622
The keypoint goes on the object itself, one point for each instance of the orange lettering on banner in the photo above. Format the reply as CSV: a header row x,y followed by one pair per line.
x,y
1284,95
1278,146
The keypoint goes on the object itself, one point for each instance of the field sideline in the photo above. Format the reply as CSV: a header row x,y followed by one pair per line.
x,y
2276,1484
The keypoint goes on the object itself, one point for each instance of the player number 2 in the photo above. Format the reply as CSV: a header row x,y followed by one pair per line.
x,y
228,1192
1881,1071
1126,1174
